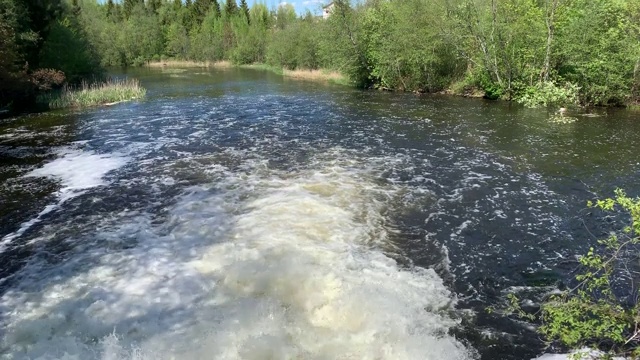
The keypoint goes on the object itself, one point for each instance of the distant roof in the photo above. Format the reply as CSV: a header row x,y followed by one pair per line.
x,y
329,4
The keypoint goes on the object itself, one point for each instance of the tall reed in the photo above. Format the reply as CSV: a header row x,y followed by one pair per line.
x,y
85,95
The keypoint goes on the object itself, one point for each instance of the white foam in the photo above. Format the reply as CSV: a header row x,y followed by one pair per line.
x,y
77,171
260,267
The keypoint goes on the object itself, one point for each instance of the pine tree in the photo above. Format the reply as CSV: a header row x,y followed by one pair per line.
x,y
244,8
128,6
201,8
216,6
154,5
110,9
177,4
188,15
75,7
231,7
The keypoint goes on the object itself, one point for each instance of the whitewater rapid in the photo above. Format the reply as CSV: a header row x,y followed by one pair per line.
x,y
258,264
235,215
76,171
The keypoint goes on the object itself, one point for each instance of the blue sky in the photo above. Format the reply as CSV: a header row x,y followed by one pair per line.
x,y
301,6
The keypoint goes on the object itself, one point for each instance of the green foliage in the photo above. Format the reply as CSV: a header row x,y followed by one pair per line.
x,y
295,47
200,9
130,5
537,52
103,34
259,16
599,50
244,10
30,21
14,85
110,8
251,42
346,49
285,15
546,93
206,42
67,49
406,51
38,34
141,37
93,94
592,313
154,5
177,41
230,7
499,39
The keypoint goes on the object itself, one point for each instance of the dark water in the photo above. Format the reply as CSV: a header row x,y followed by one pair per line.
x,y
244,215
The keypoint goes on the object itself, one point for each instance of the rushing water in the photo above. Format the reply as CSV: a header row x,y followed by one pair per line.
x,y
238,215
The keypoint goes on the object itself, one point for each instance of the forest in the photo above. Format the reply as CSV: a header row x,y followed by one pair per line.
x,y
535,52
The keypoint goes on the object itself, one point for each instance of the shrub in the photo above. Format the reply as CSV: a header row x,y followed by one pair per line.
x,y
548,93
47,79
596,312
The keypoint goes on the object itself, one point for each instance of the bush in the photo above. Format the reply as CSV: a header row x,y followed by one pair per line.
x,y
596,312
548,93
251,44
492,90
598,47
47,79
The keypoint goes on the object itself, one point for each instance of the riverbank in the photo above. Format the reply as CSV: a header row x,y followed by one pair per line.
x,y
107,93
189,64
322,75
459,88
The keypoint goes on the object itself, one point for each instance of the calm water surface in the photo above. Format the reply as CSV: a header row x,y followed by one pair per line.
x,y
238,215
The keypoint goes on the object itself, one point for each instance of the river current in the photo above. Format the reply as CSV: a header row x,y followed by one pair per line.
x,y
239,215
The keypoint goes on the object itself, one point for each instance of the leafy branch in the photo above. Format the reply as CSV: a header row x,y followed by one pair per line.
x,y
592,313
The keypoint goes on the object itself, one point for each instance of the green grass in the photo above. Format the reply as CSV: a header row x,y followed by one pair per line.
x,y
303,74
261,66
105,93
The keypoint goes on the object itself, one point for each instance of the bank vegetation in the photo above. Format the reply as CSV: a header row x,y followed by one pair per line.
x,y
536,52
108,92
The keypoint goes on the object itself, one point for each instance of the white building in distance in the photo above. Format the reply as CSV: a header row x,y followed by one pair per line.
x,y
327,10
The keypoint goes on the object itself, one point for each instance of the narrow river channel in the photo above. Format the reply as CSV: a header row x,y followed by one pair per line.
x,y
238,215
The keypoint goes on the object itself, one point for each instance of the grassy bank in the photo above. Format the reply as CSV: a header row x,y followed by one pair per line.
x,y
317,75
189,64
106,93
301,74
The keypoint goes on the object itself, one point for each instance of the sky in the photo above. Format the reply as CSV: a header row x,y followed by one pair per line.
x,y
301,6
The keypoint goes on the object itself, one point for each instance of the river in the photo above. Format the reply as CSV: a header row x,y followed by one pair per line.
x,y
235,214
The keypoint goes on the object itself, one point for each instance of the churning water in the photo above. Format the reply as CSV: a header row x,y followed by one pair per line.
x,y
233,215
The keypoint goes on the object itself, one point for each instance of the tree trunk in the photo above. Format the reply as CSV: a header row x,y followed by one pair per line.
x,y
550,19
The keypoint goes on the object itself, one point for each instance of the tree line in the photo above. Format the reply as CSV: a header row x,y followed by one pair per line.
x,y
538,52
